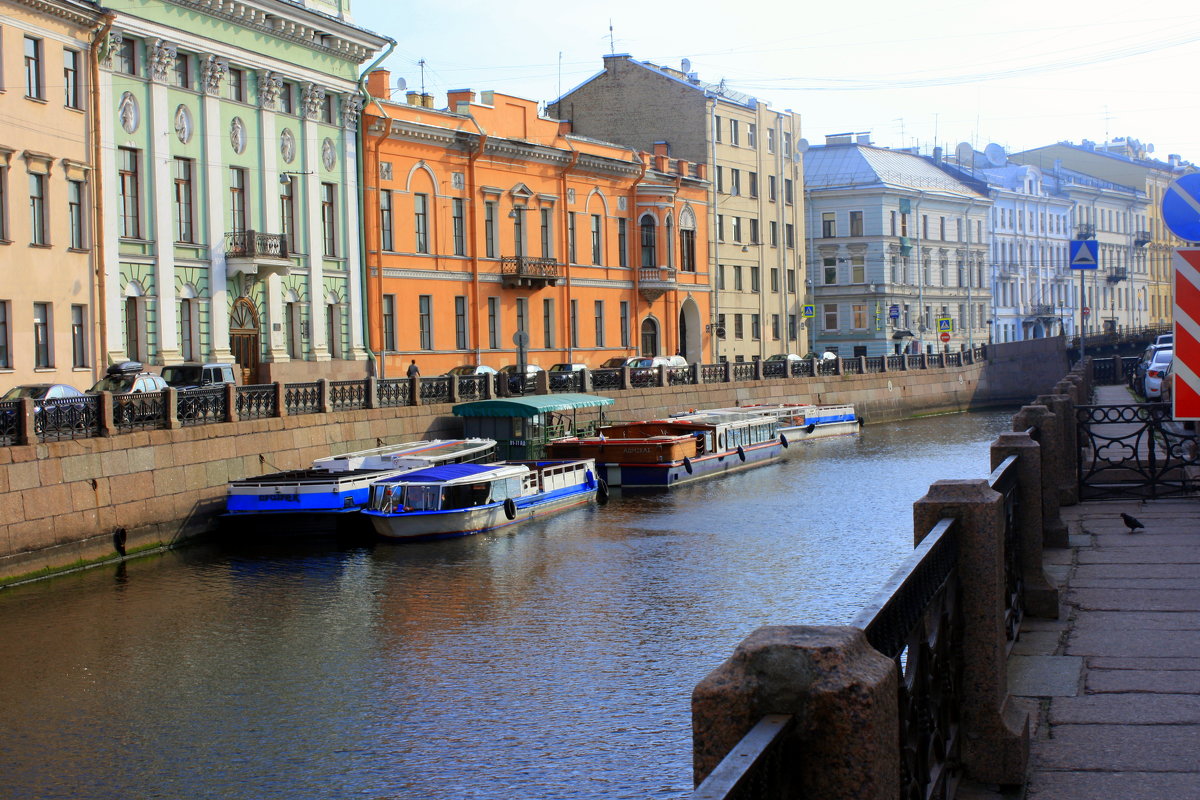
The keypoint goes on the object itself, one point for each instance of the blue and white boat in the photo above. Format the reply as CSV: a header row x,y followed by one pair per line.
x,y
462,499
799,422
317,499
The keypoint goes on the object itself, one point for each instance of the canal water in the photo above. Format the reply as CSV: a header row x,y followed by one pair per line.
x,y
553,661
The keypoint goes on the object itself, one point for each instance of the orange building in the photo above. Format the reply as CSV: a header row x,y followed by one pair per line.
x,y
485,221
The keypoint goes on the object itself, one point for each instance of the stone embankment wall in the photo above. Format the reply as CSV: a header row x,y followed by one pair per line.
x,y
68,503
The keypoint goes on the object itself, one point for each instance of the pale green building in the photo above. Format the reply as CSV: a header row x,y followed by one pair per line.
x,y
229,156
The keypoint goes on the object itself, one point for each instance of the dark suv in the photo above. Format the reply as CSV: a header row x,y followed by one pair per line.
x,y
192,376
125,380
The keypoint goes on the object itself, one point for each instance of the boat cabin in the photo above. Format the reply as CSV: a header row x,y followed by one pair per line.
x,y
522,426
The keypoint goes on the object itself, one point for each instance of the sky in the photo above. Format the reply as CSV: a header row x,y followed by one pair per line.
x,y
1019,73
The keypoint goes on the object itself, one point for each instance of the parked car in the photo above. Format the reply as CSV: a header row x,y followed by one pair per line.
x,y
126,379
784,357
58,414
617,362
517,381
194,375
1152,383
562,376
42,391
470,369
654,362
1137,378
1166,338
1167,388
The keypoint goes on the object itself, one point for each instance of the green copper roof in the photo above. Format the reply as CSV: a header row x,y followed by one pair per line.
x,y
530,406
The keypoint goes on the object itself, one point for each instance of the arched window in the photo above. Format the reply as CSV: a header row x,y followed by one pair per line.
x,y
649,255
670,241
687,241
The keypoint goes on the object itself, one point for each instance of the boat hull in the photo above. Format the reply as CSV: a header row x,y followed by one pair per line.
x,y
425,525
633,475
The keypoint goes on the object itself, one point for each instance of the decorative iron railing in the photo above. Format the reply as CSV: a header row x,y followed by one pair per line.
x,y
518,267
347,395
472,387
566,381
255,401
139,411
1004,481
757,766
302,398
254,244
201,406
394,392
10,426
435,390
712,373
679,376
802,369
643,378
775,369
827,366
743,371
1134,452
895,363
606,379
67,418
1114,370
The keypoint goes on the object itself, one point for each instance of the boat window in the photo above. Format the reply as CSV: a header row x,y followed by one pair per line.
x,y
518,428
421,498
466,495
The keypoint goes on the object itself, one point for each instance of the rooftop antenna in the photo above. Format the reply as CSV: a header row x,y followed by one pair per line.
x,y
421,64
612,46
560,76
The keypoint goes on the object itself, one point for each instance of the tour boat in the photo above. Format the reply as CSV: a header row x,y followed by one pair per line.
x,y
462,499
801,421
665,453
317,498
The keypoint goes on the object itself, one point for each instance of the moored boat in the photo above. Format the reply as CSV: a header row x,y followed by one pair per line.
x,y
462,499
316,499
802,421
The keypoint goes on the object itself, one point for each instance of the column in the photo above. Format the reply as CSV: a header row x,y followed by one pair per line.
x,y
212,71
160,184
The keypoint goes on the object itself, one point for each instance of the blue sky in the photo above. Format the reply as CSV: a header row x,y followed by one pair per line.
x,y
1019,73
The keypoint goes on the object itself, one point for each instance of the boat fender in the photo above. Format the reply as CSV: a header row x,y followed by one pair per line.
x,y
859,421
783,440
602,492
510,508
687,465
812,426
741,451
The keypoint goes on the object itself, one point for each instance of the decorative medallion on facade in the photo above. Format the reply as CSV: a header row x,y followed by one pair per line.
x,y
385,170
114,44
237,135
212,72
128,113
162,58
270,86
622,203
457,180
570,195
328,153
312,100
183,123
351,109
287,145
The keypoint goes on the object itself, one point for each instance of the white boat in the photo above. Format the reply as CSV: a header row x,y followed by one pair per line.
x,y
317,498
801,421
462,499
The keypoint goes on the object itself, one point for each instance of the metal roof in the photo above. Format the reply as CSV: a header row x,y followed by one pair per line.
x,y
846,166
447,472
530,406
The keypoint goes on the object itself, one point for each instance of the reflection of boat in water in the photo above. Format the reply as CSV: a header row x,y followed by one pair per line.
x,y
664,453
461,499
801,421
316,499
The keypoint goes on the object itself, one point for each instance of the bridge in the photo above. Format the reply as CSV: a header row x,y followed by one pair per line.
x,y
1032,645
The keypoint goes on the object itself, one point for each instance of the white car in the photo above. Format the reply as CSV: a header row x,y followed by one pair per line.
x,y
1155,373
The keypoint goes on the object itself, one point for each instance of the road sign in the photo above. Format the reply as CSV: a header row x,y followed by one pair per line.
x,y
945,337
894,311
521,339
945,324
1086,311
1084,253
809,312
1181,207
1185,397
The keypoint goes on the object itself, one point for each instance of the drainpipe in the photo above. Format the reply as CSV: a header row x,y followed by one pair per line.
x,y
636,264
376,364
101,291
566,238
472,210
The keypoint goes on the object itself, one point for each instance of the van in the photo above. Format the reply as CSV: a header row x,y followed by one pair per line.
x,y
191,375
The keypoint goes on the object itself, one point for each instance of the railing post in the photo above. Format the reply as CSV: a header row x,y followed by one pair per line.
x,y
815,369
625,377
414,390
171,408
883,363
662,374
452,393
323,396
489,387
697,376
371,391
1054,530
818,673
837,366
280,402
924,360
231,414
585,380
862,365
995,733
728,372
758,369
27,430
1068,477
1040,598
542,382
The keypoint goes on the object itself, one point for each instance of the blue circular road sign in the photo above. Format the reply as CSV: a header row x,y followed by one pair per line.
x,y
1181,207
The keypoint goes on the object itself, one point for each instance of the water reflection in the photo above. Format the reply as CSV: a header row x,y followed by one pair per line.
x,y
555,660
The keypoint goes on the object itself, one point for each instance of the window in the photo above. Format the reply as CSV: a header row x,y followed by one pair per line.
x,y
75,221
389,322
828,225
489,229
548,323
858,269
775,279
755,327
754,280
41,336
624,323
33,68
789,234
830,316
574,323
734,134
518,218
184,228
735,181
924,226
329,219
737,278
5,337
791,326
687,249
737,229
770,140
859,312
237,198
3,202
775,326
79,354
571,249
37,210
421,222
287,212
596,230
791,278
774,232
649,256
386,238
752,184
787,146
623,242
720,179
126,57
720,227
751,135
721,277
328,108
425,321
787,191
460,322
547,232
181,73
717,128
460,226
856,223
287,102
493,322
739,331
599,323
829,270
236,82
522,313
71,66
942,228
771,188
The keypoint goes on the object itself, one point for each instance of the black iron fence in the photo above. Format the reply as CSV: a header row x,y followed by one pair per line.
x,y
1134,452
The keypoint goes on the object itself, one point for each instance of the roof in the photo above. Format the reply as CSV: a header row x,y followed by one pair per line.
x,y
446,472
530,406
848,166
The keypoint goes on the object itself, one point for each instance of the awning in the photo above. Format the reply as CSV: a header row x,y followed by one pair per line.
x,y
530,406
902,334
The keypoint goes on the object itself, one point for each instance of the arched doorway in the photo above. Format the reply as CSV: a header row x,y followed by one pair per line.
x,y
244,338
691,340
650,337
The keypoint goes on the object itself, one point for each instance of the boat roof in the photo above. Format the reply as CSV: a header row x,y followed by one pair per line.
x,y
408,454
530,406
445,473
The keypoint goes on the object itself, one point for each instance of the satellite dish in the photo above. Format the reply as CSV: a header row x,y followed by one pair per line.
x,y
963,154
686,65
1149,148
802,146
401,84
995,155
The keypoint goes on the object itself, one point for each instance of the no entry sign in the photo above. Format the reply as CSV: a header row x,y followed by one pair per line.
x,y
1186,365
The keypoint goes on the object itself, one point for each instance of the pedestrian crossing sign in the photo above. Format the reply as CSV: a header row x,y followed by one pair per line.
x,y
809,311
945,325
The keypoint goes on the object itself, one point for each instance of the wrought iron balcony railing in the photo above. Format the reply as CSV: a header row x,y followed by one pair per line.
x,y
255,244
1142,238
526,271
1085,231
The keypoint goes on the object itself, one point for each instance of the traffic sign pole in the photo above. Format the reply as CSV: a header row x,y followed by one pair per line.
x,y
1082,317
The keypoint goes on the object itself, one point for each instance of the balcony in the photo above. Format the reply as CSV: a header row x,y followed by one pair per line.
x,y
524,272
255,253
1085,231
1043,310
1116,276
1142,238
654,282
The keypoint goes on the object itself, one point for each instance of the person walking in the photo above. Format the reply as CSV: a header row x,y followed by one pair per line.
x,y
413,370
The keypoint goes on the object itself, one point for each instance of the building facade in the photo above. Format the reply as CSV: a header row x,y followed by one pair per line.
x,y
229,150
757,195
502,235
897,251
48,286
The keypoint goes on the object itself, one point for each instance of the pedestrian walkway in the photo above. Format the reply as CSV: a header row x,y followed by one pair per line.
x,y
1113,685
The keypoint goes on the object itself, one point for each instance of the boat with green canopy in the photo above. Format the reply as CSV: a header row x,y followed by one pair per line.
x,y
521,426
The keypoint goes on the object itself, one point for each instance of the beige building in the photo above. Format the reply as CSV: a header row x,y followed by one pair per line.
x,y
756,227
1127,162
48,288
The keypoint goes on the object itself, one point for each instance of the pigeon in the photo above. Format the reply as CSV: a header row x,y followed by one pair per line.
x,y
1131,523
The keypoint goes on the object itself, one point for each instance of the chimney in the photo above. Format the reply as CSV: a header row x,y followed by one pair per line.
x,y
937,155
379,84
839,138
457,99
413,98
863,138
662,149
427,101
